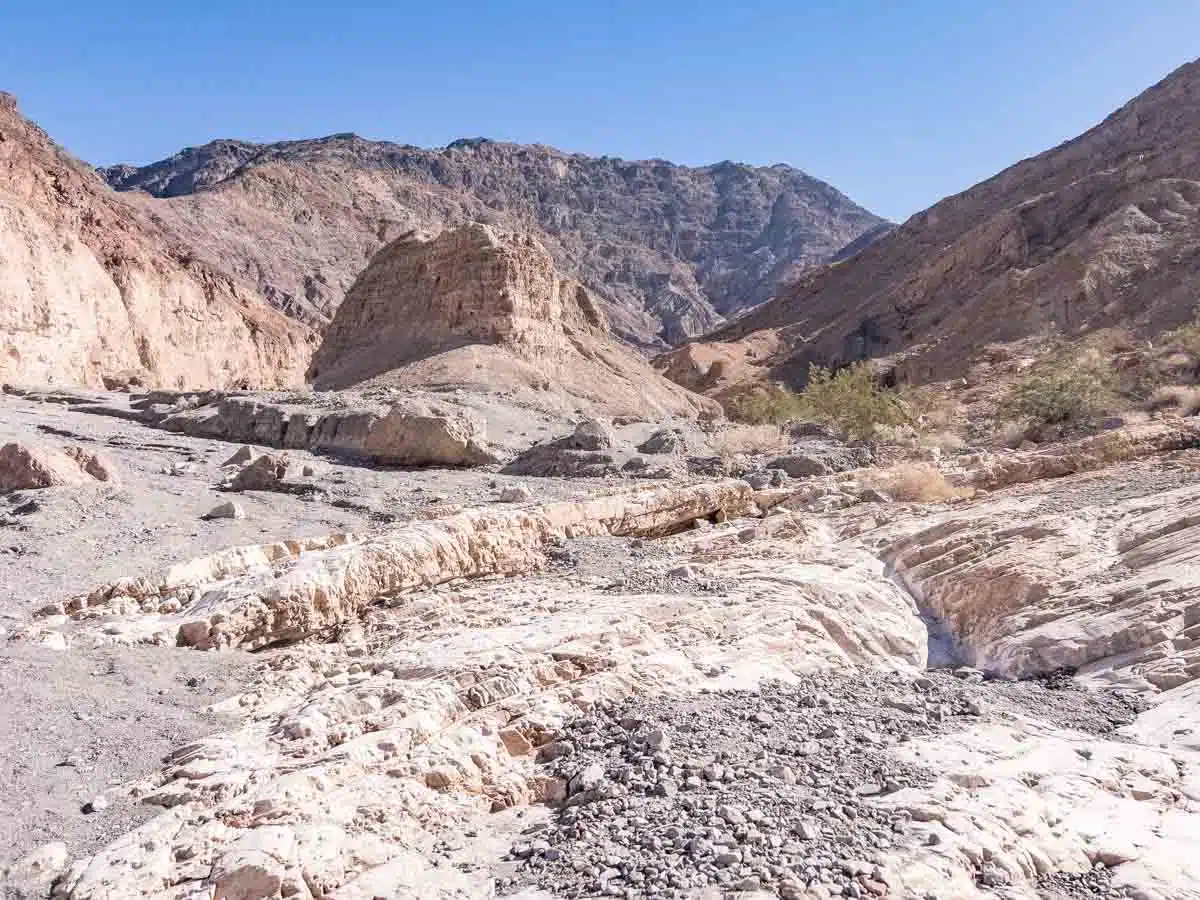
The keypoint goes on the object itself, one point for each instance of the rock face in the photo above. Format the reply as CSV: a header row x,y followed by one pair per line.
x,y
667,249
91,288
484,309
1099,231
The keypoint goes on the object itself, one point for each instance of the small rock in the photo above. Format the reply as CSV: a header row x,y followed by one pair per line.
x,y
587,779
783,773
515,493
658,740
227,510
808,830
994,876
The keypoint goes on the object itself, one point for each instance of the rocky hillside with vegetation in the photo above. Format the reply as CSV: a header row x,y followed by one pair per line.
x,y
670,251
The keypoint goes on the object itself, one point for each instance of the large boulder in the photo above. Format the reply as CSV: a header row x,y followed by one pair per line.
x,y
266,473
813,458
558,459
422,433
585,453
409,432
665,440
592,434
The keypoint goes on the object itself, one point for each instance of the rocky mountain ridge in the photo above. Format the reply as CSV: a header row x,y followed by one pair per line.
x,y
1102,230
668,250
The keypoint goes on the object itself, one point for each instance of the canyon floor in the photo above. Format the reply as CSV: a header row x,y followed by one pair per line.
x,y
394,683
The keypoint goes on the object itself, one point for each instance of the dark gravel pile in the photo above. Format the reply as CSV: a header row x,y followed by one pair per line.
x,y
775,790
1079,885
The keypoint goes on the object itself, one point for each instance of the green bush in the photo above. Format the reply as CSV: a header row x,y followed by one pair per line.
x,y
771,405
1185,337
1062,392
849,400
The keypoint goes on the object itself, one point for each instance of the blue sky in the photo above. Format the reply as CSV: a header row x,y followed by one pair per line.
x,y
896,103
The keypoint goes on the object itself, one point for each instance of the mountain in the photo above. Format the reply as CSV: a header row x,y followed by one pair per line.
x,y
92,289
1102,230
668,250
478,309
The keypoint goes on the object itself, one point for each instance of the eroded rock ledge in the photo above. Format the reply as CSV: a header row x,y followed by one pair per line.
x,y
255,596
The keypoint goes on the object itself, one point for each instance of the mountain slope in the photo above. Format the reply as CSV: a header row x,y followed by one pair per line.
x,y
1101,230
669,250
90,289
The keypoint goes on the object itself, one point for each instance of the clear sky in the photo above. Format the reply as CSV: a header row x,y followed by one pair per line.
x,y
895,103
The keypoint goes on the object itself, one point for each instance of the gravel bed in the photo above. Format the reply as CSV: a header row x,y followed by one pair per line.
x,y
771,790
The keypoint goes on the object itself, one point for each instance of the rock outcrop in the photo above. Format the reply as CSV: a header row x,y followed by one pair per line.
x,y
667,250
483,309
410,431
92,289
23,467
1098,231
256,596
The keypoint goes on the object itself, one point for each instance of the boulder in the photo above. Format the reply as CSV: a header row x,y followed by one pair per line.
x,y
420,433
227,510
25,467
266,473
558,460
581,454
241,456
802,465
813,458
592,434
515,493
665,440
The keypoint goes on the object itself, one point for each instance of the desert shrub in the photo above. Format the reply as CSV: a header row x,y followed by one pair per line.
x,y
764,438
1185,337
850,400
847,399
770,405
1183,398
1013,434
912,482
1062,391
